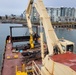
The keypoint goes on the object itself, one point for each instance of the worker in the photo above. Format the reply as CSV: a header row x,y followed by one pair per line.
x,y
36,37
8,39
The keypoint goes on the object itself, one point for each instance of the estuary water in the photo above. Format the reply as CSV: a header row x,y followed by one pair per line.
x,y
5,30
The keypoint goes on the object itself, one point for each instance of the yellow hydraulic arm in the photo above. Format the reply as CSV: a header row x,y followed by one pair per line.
x,y
51,38
28,11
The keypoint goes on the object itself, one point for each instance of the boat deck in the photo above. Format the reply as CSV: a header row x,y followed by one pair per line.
x,y
68,59
10,61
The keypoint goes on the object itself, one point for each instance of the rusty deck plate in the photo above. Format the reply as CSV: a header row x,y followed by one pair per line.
x,y
68,59
9,64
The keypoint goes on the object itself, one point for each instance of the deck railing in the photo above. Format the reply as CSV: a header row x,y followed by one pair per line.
x,y
36,69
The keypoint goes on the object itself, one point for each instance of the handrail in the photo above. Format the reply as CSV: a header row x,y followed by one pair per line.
x,y
36,69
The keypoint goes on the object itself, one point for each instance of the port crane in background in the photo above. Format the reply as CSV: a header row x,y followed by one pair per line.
x,y
49,66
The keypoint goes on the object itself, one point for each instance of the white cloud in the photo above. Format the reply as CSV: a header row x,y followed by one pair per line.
x,y
18,6
12,6
59,3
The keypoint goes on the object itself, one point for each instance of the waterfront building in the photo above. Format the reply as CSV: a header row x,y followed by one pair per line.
x,y
62,14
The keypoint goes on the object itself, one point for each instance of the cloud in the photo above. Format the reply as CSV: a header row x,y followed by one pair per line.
x,y
13,3
18,6
12,6
59,3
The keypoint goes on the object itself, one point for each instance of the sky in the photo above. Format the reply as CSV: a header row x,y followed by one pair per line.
x,y
16,7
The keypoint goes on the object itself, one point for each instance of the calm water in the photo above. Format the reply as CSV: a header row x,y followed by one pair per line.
x,y
5,30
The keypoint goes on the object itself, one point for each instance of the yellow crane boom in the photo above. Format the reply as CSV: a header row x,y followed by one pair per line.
x,y
52,40
49,67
